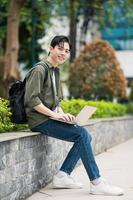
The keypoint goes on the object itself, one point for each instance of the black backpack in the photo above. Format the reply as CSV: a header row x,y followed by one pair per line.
x,y
16,99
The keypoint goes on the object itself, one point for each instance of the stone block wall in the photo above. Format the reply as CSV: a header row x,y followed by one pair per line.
x,y
29,160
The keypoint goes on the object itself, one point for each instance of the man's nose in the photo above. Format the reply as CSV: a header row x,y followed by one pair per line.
x,y
63,52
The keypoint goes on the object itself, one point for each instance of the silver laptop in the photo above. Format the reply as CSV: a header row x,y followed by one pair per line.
x,y
83,116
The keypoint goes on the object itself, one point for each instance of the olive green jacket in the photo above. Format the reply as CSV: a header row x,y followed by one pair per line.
x,y
40,89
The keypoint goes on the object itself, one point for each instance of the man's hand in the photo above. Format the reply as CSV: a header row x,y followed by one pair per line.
x,y
67,117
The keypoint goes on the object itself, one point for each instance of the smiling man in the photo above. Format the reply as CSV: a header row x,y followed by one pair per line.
x,y
42,102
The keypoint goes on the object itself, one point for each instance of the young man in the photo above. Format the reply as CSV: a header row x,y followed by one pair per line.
x,y
42,97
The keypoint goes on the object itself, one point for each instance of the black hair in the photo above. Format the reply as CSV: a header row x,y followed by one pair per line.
x,y
59,40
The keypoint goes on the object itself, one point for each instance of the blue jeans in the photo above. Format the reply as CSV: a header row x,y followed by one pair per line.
x,y
80,149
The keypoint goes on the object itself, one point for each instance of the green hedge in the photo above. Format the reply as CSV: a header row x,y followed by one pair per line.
x,y
5,123
130,108
105,109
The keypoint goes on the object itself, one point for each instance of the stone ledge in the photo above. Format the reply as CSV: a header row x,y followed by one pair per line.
x,y
99,120
16,135
29,160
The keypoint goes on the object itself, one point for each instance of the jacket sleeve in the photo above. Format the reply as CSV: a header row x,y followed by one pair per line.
x,y
34,84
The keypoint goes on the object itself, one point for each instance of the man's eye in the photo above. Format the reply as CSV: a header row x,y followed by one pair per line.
x,y
60,48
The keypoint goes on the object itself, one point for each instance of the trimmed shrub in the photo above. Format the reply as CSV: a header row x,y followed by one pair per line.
x,y
131,92
105,109
96,73
129,108
5,123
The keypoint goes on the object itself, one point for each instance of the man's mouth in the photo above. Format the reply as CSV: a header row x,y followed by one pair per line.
x,y
61,58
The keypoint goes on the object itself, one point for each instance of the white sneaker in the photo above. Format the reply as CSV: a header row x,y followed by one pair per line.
x,y
65,182
103,188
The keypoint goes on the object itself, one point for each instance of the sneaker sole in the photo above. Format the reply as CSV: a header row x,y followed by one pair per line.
x,y
106,194
64,187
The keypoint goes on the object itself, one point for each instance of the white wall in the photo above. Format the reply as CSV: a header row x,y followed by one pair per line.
x,y
126,60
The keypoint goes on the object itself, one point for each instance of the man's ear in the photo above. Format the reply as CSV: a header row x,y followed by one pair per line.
x,y
51,48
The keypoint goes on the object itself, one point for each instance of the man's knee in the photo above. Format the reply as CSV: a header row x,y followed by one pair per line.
x,y
85,134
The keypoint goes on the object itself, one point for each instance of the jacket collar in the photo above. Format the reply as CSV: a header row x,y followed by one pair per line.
x,y
51,66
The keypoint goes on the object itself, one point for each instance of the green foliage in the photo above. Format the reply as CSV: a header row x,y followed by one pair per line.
x,y
33,22
112,11
131,92
34,18
96,73
129,108
5,123
104,109
3,21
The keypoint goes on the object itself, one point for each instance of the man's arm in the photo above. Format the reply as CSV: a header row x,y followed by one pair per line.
x,y
46,111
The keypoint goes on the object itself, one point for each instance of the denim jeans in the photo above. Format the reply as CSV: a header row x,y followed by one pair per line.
x,y
80,149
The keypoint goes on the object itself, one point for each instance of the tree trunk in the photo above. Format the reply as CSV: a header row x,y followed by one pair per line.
x,y
2,91
73,27
11,71
88,15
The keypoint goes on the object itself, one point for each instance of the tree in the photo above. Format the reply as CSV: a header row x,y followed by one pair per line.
x,y
12,43
90,12
77,9
32,27
35,18
8,62
96,73
21,38
74,11
73,27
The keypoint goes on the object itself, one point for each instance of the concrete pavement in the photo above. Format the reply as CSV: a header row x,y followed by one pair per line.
x,y
116,165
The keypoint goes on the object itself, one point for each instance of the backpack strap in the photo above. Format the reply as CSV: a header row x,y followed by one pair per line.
x,y
45,65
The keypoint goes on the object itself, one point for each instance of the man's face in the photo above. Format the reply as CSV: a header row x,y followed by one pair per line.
x,y
60,53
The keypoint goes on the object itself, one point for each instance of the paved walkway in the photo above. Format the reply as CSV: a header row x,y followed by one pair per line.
x,y
116,165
